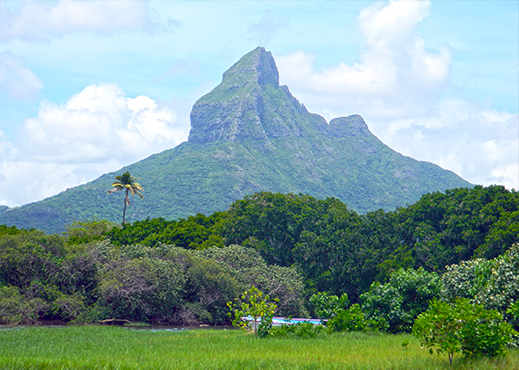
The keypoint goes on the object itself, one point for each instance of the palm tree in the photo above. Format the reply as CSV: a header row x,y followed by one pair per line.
x,y
126,182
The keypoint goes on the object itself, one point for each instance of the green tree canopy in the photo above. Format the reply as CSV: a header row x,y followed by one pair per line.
x,y
129,184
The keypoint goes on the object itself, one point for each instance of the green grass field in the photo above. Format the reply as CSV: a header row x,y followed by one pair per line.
x,y
95,347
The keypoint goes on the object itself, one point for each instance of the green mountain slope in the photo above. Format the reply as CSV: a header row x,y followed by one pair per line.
x,y
247,135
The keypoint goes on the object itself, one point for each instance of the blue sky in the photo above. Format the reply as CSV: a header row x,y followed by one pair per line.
x,y
87,87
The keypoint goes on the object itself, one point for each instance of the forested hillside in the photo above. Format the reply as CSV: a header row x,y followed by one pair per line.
x,y
288,246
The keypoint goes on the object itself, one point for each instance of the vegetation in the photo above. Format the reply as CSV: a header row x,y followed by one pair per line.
x,y
94,347
254,304
43,277
444,267
463,327
327,306
278,146
289,247
398,303
127,183
420,267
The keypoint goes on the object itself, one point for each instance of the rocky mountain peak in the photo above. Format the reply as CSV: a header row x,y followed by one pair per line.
x,y
249,104
257,66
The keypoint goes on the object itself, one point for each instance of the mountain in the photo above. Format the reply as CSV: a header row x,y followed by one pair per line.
x,y
250,134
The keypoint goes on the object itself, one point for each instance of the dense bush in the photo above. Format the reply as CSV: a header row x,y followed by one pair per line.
x,y
249,269
402,299
57,278
492,283
141,289
463,327
351,319
336,249
17,309
299,330
327,306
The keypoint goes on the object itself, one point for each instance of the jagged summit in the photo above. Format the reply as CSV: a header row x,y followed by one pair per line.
x,y
257,66
249,104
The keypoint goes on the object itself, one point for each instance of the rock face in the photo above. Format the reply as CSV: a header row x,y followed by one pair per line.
x,y
250,104
250,134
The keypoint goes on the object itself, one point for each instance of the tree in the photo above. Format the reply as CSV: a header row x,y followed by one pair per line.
x,y
402,299
327,306
82,232
126,182
463,327
255,304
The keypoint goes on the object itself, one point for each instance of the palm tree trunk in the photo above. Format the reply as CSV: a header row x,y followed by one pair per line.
x,y
124,209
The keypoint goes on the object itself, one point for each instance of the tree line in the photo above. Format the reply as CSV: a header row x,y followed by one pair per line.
x,y
291,247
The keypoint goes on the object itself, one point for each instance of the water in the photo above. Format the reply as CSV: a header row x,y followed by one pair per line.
x,y
153,328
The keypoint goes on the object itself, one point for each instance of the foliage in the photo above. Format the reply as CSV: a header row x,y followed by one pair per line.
x,y
16,309
249,269
492,283
463,327
351,319
402,299
327,306
253,303
195,232
30,256
209,287
82,232
160,284
294,246
442,229
10,230
129,185
299,330
141,289
272,223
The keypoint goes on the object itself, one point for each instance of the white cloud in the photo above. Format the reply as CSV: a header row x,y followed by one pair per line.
x,y
394,65
480,145
37,20
17,80
98,130
397,86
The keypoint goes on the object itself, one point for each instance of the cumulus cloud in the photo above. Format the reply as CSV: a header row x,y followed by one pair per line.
x,y
16,80
480,145
36,20
397,86
394,65
98,130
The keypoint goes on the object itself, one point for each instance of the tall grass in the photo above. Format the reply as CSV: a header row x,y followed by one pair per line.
x,y
93,347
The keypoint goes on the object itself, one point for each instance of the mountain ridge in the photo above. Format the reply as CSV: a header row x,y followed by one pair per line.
x,y
250,134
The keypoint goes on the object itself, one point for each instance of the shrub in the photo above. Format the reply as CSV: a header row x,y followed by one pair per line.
x,y
17,309
141,289
327,306
255,304
463,327
400,301
299,330
492,283
352,319
249,269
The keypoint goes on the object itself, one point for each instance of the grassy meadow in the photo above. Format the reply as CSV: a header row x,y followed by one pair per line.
x,y
97,347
